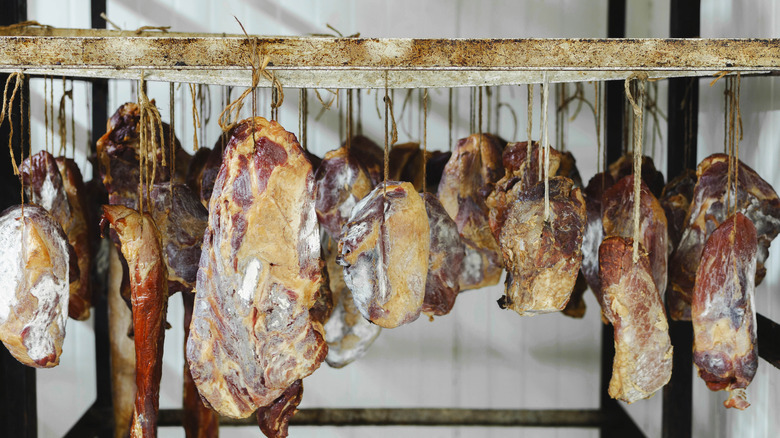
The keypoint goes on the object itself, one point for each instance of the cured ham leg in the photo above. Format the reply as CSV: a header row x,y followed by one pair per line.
x,y
252,335
724,319
34,291
643,350
140,242
542,257
384,251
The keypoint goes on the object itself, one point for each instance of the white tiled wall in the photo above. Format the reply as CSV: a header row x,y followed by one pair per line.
x,y
479,356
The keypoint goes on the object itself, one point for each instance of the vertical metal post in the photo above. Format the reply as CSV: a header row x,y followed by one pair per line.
x,y
683,113
18,410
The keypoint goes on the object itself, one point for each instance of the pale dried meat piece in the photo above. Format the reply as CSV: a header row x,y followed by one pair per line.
x,y
445,259
618,220
643,350
199,420
141,247
348,334
181,219
469,177
34,285
342,180
723,316
542,258
756,199
384,251
275,418
675,200
252,335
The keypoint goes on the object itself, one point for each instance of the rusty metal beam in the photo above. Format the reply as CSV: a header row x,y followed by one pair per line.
x,y
372,63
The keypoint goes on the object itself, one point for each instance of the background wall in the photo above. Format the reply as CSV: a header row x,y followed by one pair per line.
x,y
478,356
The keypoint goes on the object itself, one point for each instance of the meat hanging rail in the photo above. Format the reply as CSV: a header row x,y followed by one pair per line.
x,y
97,55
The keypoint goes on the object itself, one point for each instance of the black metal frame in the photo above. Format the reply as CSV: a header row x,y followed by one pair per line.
x,y
18,416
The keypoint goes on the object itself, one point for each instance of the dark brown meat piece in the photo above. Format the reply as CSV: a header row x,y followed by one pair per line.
x,y
343,179
542,257
34,280
384,251
469,176
624,166
118,156
141,247
445,260
195,170
181,220
252,335
755,199
724,319
199,420
643,351
434,168
275,418
618,220
576,306
45,185
675,200
594,231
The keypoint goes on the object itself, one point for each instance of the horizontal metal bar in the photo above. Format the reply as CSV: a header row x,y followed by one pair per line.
x,y
372,62
578,418
768,335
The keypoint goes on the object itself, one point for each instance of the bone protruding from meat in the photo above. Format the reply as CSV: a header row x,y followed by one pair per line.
x,y
723,313
384,250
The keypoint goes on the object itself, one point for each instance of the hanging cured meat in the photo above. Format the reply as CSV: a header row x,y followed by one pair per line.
x,y
434,168
542,257
576,306
274,419
181,220
643,351
122,349
348,334
724,319
199,421
252,335
469,176
56,185
195,170
594,231
445,260
118,156
624,166
618,220
755,199
345,176
35,278
384,251
141,247
675,200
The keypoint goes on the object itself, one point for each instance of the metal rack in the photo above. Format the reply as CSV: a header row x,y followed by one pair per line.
x,y
98,55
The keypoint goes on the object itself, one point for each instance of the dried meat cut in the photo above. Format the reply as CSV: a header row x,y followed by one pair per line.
x,y
34,285
445,260
274,419
756,199
141,246
468,178
618,220
252,335
118,156
675,200
723,314
345,176
122,348
384,251
181,219
643,350
199,420
542,258
594,231
624,166
348,334
60,190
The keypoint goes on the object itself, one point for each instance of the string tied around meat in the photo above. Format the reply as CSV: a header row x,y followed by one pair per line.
x,y
638,108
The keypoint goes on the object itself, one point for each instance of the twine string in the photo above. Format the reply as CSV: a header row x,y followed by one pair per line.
x,y
638,108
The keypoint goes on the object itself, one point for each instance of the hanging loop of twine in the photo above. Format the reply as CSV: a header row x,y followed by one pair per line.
x,y
546,144
18,77
195,118
150,134
638,108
